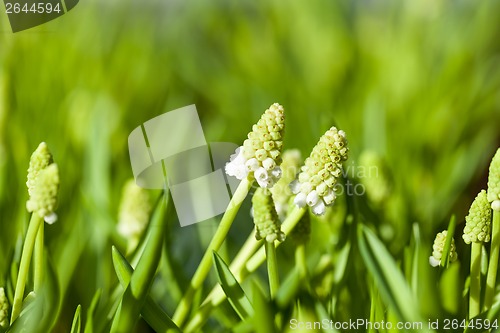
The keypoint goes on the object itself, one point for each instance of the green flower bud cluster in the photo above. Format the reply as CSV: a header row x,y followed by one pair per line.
x,y
40,159
260,156
478,222
494,178
374,176
265,217
134,211
281,192
315,186
43,184
4,309
437,249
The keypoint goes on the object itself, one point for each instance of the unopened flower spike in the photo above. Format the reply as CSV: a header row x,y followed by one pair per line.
x,y
260,155
478,222
281,192
315,186
494,182
4,310
134,212
43,200
40,159
265,217
437,249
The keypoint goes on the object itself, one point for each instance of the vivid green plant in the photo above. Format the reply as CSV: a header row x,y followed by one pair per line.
x,y
413,85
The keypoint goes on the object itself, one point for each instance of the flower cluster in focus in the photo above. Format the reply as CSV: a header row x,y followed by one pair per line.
x,y
322,169
43,184
478,222
260,156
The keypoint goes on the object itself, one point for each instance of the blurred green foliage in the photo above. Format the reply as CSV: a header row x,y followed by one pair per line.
x,y
416,82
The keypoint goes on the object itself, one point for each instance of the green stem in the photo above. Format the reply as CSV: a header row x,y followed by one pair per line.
x,y
475,281
38,259
493,264
272,268
24,266
248,262
206,262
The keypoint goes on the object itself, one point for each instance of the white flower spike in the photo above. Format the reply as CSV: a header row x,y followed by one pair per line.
x,y
315,186
260,156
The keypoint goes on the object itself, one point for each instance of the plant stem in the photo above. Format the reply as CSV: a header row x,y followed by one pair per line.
x,y
493,264
475,281
24,266
38,259
272,268
206,262
246,265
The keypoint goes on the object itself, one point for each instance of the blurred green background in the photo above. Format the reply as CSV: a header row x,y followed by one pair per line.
x,y
416,82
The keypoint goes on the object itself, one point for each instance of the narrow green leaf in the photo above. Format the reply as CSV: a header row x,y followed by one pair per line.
x,y
76,326
445,261
289,289
235,294
89,323
388,278
151,312
136,292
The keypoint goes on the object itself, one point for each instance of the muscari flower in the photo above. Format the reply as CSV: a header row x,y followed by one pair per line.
x,y
315,186
265,217
478,222
260,156
134,212
39,160
494,182
4,309
43,199
437,249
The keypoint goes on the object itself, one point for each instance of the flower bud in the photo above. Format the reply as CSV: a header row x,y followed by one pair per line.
x,y
134,212
478,222
40,159
437,249
265,217
4,309
260,156
494,178
43,200
315,185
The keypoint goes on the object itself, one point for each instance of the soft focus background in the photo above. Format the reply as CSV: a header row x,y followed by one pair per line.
x,y
416,83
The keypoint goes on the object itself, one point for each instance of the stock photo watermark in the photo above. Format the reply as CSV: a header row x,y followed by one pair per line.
x,y
26,14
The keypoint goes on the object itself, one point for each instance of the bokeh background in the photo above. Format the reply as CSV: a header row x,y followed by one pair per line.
x,y
417,83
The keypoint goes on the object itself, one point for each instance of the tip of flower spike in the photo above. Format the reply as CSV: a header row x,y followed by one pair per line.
x,y
478,221
4,309
39,160
494,178
315,186
43,200
265,217
260,156
437,249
